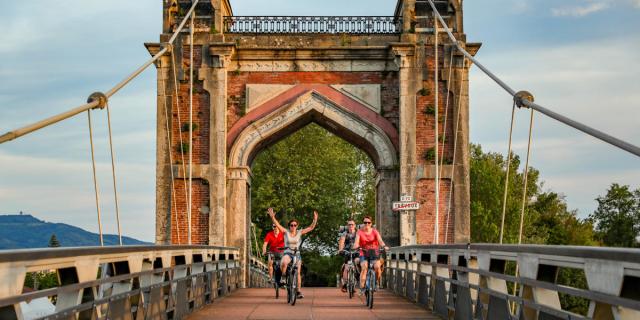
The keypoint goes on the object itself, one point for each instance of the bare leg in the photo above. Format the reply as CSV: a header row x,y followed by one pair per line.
x,y
270,268
378,272
299,275
283,265
363,273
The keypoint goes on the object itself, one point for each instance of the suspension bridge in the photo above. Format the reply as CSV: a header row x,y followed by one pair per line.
x,y
229,86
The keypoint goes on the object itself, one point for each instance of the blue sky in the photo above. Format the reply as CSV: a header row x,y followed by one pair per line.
x,y
579,58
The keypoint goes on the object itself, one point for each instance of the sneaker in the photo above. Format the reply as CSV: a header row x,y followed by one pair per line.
x,y
300,295
344,288
361,292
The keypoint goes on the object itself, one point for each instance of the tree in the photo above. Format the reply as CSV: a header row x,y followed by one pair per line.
x,y
313,169
53,241
487,190
617,218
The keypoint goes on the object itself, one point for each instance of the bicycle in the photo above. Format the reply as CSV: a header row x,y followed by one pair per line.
x,y
291,279
370,282
353,275
277,273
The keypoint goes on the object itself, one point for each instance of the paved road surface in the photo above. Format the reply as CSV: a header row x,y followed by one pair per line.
x,y
318,303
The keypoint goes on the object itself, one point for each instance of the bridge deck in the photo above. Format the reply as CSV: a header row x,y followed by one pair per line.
x,y
318,303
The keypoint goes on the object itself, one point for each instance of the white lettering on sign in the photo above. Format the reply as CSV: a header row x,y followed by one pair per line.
x,y
402,206
406,198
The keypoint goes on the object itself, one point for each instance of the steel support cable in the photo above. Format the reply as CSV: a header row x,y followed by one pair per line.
x,y
113,174
633,149
444,136
436,225
189,207
184,167
95,179
455,146
508,169
11,135
173,186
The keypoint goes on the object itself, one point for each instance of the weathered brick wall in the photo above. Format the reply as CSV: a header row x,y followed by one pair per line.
x,y
201,112
426,215
425,143
237,81
199,219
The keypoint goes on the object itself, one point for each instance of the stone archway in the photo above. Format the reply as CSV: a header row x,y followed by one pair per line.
x,y
290,111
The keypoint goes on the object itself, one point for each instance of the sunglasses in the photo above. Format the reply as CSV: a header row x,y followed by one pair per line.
x,y
367,222
293,225
273,226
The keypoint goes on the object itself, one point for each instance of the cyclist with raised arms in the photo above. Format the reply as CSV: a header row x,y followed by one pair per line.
x,y
367,239
347,239
292,241
274,240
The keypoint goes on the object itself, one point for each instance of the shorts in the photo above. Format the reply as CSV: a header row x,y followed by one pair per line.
x,y
371,254
347,258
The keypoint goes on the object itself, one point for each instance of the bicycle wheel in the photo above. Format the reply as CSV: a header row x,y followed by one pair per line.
x,y
371,288
288,287
276,285
350,282
294,286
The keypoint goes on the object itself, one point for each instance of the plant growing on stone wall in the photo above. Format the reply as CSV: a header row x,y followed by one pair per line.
x,y
237,71
242,108
430,155
185,127
183,147
425,92
430,110
443,138
213,29
345,40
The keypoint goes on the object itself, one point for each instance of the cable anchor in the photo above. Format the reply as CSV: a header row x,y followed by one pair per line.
x,y
520,96
99,97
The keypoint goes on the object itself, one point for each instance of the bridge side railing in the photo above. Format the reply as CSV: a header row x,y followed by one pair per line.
x,y
129,282
477,281
258,273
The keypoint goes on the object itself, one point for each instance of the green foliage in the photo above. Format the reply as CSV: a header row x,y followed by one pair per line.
x,y
41,280
312,169
430,155
425,92
430,110
183,147
53,241
185,127
617,218
320,270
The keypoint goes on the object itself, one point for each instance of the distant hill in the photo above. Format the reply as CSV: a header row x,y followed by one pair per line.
x,y
25,231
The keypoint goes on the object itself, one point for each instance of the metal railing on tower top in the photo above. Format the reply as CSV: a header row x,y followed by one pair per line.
x,y
315,25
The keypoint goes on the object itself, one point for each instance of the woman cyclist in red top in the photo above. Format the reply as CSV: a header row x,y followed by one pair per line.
x,y
368,238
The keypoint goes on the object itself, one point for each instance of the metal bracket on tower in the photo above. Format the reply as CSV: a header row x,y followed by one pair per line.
x,y
100,97
520,96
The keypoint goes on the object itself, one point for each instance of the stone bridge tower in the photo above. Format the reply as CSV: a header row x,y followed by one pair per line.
x,y
369,80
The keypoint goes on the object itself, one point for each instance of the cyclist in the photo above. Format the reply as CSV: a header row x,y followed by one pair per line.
x,y
347,238
275,241
292,241
368,238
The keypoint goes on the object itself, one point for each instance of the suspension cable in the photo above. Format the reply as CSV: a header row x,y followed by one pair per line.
x,y
455,147
95,179
633,149
183,163
173,186
11,135
526,174
437,89
113,174
190,129
506,179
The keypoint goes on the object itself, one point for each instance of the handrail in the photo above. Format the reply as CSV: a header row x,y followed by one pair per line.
x,y
479,273
188,276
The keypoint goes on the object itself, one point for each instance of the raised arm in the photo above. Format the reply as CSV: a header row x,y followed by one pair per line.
x,y
313,225
275,221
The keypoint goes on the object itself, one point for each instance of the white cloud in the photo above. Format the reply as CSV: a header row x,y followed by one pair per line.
x,y
580,11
